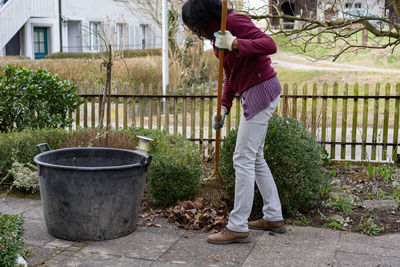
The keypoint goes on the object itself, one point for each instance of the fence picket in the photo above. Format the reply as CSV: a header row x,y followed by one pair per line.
x,y
375,123
304,106
365,124
285,101
395,156
314,111
193,116
93,109
141,106
324,114
386,123
159,106
237,119
151,91
354,125
210,115
133,108
85,108
125,119
344,122
175,113
184,117
334,117
294,102
202,113
116,106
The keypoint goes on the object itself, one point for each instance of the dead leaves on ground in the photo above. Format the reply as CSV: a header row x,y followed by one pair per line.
x,y
198,215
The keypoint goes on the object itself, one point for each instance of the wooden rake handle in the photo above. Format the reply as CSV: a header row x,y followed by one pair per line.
x,y
220,81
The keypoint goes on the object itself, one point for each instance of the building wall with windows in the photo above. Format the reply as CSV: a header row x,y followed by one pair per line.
x,y
34,28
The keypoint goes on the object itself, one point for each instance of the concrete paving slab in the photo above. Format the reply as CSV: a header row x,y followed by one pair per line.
x,y
364,260
299,246
193,249
40,255
36,233
13,206
35,213
140,244
381,246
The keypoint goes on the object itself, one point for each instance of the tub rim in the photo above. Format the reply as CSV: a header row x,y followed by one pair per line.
x,y
143,163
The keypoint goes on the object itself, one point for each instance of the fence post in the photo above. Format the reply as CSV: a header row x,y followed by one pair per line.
x,y
354,125
386,123
344,122
365,123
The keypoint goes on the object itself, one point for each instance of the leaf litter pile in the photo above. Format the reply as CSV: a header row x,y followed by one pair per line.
x,y
198,215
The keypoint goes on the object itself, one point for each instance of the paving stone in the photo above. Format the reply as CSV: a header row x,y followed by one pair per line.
x,y
40,255
299,246
381,246
364,260
13,206
35,213
60,244
380,204
193,249
139,244
78,261
36,233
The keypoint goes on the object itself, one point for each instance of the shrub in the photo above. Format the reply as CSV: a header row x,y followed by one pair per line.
x,y
295,160
175,171
35,99
124,53
11,239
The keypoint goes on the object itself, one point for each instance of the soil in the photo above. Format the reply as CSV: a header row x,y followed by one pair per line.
x,y
352,182
357,183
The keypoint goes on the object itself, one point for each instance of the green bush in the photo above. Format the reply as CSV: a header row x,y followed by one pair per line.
x,y
175,171
11,239
295,160
35,99
125,53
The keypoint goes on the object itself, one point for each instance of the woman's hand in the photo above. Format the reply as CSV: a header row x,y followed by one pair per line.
x,y
218,124
225,41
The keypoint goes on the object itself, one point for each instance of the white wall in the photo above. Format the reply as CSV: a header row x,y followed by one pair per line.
x,y
110,12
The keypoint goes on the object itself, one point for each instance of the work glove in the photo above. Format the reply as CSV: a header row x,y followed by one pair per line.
x,y
217,124
224,41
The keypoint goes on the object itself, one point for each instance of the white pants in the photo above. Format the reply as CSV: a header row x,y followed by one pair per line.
x,y
250,166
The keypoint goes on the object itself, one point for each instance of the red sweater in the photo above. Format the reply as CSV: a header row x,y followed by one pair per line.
x,y
248,66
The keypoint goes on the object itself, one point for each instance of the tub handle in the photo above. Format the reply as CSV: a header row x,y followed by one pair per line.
x,y
145,162
40,149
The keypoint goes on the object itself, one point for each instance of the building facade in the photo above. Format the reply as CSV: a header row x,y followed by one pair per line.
x,y
35,28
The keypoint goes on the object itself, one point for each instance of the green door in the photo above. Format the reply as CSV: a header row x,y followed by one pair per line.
x,y
40,42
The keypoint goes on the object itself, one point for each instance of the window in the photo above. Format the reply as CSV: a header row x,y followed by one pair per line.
x,y
357,5
120,31
347,5
94,28
144,35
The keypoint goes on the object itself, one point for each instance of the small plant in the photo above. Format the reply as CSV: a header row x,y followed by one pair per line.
x,y
371,170
342,203
11,239
333,173
303,221
368,227
25,177
327,186
385,172
334,224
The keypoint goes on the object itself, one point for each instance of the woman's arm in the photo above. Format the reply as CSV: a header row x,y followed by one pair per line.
x,y
250,39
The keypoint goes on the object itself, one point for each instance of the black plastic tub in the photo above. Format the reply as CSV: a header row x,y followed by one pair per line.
x,y
91,193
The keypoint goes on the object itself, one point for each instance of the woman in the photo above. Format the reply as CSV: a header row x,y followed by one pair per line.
x,y
248,73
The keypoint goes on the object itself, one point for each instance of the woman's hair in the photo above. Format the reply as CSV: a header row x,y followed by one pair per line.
x,y
196,14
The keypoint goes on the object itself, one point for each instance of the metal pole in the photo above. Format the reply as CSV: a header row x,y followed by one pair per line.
x,y
165,75
60,24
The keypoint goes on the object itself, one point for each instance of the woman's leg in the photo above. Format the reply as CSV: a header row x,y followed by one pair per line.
x,y
251,136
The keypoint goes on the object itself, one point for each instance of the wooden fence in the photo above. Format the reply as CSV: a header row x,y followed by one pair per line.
x,y
352,122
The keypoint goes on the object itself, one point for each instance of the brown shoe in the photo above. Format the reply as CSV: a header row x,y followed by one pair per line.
x,y
227,237
261,224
